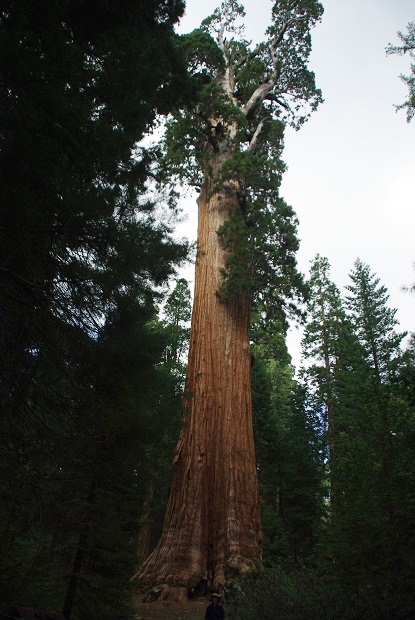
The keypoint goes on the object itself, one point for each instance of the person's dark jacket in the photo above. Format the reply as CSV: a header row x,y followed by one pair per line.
x,y
214,612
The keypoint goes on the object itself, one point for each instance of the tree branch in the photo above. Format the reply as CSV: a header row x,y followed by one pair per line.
x,y
264,90
221,40
279,37
254,140
273,97
248,57
261,93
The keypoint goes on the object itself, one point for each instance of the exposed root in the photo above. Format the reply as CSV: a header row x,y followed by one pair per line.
x,y
239,565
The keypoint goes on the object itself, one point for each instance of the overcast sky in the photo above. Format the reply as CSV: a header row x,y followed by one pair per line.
x,y
351,174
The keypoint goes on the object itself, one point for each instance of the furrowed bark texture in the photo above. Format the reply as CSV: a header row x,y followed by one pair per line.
x,y
212,524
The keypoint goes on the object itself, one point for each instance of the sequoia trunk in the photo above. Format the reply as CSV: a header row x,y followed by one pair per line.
x,y
212,524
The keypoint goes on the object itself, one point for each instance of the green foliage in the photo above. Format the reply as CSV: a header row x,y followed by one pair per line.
x,y
331,353
238,117
186,157
225,18
335,460
202,55
375,322
261,235
155,466
352,364
288,462
317,594
407,47
178,310
82,260
375,326
292,23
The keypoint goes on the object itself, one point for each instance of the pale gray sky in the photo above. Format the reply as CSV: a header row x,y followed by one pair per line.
x,y
350,175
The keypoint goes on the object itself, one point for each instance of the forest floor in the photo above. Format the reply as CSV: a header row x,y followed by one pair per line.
x,y
164,610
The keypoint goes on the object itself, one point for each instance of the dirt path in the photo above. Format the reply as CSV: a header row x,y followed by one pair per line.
x,y
191,610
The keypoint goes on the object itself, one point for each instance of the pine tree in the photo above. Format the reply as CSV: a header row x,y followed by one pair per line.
x,y
287,446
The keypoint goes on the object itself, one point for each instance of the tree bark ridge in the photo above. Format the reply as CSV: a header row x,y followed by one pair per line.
x,y
212,525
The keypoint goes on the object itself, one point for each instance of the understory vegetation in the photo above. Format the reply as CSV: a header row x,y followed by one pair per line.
x,y
290,593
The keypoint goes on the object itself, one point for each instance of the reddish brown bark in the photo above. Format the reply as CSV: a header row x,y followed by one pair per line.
x,y
212,524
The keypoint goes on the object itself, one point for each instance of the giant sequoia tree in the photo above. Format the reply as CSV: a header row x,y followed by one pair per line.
x,y
228,145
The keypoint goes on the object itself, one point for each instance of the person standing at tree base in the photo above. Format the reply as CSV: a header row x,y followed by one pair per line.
x,y
215,610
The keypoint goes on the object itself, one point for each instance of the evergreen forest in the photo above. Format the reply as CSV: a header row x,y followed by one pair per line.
x,y
95,319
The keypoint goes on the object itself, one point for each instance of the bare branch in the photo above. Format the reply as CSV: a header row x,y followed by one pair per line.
x,y
254,140
221,40
258,97
264,90
281,103
279,37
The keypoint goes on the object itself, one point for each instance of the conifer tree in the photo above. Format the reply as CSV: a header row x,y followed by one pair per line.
x,y
338,382
322,345
287,448
334,367
407,46
375,322
228,144
289,468
376,328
